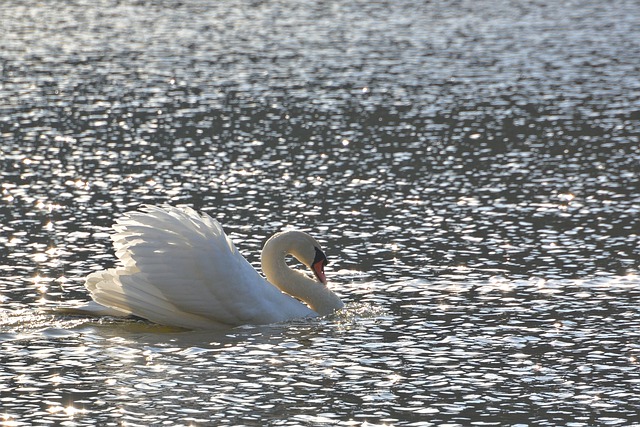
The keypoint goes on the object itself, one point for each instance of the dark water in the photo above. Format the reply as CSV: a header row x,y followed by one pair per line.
x,y
471,168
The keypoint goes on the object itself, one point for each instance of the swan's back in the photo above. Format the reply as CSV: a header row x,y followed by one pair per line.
x,y
180,268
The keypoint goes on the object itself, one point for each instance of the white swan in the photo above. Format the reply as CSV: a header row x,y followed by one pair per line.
x,y
180,269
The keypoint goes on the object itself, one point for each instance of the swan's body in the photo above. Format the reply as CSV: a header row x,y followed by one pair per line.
x,y
180,269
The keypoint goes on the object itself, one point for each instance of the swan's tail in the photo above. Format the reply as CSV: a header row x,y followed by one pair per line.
x,y
90,308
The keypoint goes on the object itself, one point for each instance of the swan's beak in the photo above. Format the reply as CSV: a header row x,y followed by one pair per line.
x,y
318,270
318,266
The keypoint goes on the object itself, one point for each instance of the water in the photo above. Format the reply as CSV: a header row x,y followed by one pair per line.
x,y
470,167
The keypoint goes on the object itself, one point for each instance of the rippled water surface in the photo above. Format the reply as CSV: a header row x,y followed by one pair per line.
x,y
471,168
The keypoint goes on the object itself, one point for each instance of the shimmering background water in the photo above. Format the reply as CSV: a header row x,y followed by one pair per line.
x,y
470,166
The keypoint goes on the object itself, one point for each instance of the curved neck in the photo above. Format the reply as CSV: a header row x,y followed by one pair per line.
x,y
295,283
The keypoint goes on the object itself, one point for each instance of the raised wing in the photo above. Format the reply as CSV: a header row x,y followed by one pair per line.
x,y
180,268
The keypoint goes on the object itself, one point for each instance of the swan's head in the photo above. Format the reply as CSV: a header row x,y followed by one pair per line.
x,y
303,247
307,250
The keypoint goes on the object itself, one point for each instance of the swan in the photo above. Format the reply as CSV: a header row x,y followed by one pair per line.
x,y
179,268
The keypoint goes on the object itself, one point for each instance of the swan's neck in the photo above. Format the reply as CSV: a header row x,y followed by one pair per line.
x,y
274,266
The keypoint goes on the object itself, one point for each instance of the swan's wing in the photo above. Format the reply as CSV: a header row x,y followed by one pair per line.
x,y
180,268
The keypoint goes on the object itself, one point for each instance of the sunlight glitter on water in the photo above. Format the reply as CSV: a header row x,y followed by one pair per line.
x,y
480,218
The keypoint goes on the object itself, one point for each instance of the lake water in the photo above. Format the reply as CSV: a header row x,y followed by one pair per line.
x,y
471,168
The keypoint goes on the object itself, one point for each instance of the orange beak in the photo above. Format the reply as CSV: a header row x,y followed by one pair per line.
x,y
318,270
